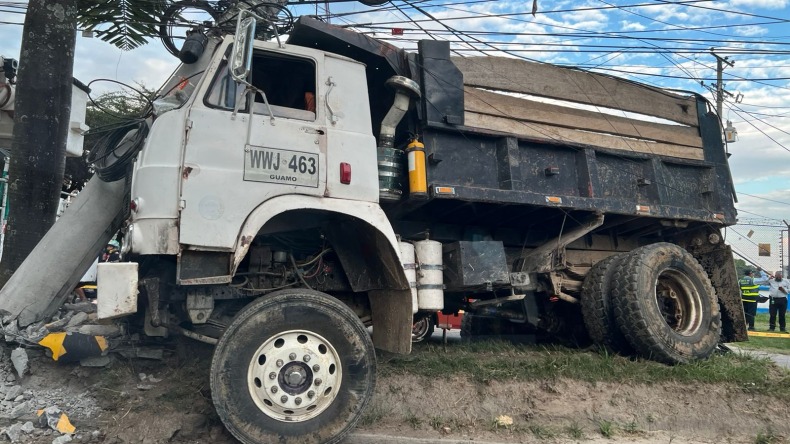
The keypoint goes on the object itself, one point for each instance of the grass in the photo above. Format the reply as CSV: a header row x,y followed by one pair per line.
x,y
631,428
606,428
773,345
496,360
574,431
374,414
767,437
541,432
413,420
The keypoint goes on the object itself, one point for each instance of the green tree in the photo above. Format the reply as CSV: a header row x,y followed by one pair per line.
x,y
103,113
741,267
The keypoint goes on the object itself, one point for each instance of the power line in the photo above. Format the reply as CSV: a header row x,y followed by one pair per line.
x,y
765,198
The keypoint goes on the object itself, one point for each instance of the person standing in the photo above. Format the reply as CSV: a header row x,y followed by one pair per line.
x,y
111,253
749,295
778,304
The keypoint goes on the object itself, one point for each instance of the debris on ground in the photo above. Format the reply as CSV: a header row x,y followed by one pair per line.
x,y
85,307
55,419
96,361
20,361
63,439
18,432
72,347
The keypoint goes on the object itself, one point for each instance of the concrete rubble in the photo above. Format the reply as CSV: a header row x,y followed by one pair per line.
x,y
21,400
34,408
20,361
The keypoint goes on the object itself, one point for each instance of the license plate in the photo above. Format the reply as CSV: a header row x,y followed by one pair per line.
x,y
285,167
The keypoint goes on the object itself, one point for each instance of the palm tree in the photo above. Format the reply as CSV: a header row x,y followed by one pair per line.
x,y
131,22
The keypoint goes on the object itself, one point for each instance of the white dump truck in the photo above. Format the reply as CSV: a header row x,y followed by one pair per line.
x,y
280,198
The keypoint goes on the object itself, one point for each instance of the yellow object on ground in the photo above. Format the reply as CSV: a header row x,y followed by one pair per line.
x,y
769,334
73,346
63,425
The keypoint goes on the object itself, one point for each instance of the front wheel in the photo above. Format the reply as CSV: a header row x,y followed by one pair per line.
x,y
296,366
665,304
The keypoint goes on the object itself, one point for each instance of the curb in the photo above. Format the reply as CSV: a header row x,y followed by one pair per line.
x,y
365,438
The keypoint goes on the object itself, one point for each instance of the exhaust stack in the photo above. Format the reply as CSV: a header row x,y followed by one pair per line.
x,y
391,165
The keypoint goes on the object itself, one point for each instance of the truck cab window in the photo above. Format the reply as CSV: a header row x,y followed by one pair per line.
x,y
288,82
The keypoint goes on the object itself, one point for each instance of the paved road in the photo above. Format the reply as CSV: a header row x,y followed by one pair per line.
x,y
780,360
366,438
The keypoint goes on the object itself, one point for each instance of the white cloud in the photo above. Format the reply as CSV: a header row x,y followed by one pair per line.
x,y
632,26
765,4
751,31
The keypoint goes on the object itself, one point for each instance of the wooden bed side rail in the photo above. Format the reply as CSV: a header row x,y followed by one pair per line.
x,y
546,80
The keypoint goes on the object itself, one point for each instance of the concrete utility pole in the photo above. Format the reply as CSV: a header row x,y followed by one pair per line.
x,y
41,127
720,62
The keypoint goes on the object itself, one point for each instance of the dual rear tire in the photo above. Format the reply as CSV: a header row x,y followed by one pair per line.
x,y
656,301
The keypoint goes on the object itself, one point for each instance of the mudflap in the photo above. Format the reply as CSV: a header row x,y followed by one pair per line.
x,y
720,266
392,320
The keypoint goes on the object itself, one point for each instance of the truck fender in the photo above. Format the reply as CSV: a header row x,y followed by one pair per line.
x,y
368,249
367,219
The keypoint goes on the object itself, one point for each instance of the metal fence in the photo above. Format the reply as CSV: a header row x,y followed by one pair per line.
x,y
761,243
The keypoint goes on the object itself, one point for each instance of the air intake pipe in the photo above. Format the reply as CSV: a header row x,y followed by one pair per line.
x,y
391,165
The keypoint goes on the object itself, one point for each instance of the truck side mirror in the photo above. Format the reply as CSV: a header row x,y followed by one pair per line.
x,y
241,56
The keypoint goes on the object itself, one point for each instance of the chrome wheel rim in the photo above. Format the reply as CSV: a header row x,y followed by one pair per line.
x,y
294,376
420,328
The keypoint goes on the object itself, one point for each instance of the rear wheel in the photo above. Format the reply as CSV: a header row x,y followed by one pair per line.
x,y
596,306
296,366
665,304
474,327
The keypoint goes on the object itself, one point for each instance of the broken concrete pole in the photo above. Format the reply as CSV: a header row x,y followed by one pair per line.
x,y
65,253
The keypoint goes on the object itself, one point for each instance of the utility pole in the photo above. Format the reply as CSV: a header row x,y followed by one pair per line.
x,y
781,258
720,62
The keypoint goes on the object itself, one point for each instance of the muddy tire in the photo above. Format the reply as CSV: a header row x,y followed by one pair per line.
x,y
597,309
489,328
665,304
475,328
423,328
296,366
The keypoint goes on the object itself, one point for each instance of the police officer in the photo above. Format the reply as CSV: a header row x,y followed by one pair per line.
x,y
749,295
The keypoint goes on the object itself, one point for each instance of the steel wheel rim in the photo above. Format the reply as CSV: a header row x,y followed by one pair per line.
x,y
420,328
679,302
294,376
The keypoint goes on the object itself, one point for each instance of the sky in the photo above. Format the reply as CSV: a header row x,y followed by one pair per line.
x,y
661,43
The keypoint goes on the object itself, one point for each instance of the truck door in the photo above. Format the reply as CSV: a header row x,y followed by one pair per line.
x,y
231,167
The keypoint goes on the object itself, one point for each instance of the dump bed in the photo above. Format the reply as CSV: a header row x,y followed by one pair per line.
x,y
522,138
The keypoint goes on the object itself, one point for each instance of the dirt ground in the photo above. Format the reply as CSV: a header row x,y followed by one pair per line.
x,y
168,401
